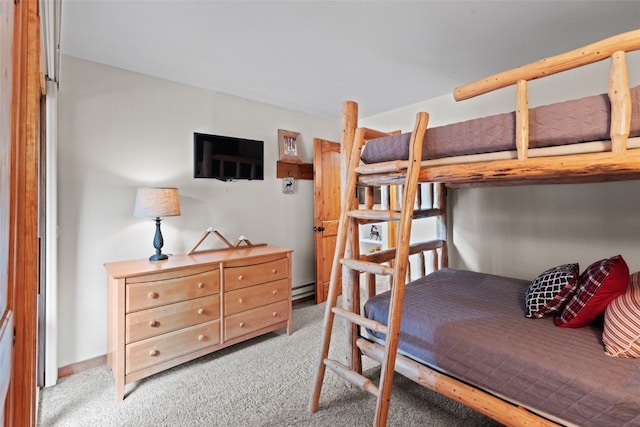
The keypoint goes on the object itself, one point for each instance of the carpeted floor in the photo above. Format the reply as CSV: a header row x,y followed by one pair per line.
x,y
264,382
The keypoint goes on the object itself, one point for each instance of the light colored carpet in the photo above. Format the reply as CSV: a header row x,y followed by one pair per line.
x,y
264,382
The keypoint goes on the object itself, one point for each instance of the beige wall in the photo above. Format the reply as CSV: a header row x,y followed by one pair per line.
x,y
119,130
521,231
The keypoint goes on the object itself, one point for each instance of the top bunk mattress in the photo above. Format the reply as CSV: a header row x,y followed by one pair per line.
x,y
570,122
472,326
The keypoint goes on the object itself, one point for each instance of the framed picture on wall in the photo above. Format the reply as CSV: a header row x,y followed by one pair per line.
x,y
289,146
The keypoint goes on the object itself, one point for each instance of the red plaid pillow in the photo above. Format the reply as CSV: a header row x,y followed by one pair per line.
x,y
600,283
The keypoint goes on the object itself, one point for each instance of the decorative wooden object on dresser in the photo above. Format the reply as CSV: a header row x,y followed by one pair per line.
x,y
162,314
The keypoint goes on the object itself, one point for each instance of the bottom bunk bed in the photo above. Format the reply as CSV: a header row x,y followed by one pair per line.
x,y
472,327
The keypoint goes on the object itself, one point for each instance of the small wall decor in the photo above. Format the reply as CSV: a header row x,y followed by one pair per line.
x,y
374,233
289,146
242,241
288,185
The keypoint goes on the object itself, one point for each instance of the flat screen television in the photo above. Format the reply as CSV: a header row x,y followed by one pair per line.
x,y
227,158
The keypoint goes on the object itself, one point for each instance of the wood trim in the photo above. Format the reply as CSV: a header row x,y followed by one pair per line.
x,y
583,167
620,98
294,170
85,365
7,14
371,171
304,301
594,52
522,119
23,216
400,273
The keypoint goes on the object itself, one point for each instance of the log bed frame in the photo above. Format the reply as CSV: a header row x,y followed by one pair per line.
x,y
586,162
616,159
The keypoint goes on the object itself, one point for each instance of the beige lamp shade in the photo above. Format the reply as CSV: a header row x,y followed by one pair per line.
x,y
156,202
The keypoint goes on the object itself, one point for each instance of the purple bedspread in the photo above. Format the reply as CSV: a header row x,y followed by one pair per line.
x,y
472,326
581,120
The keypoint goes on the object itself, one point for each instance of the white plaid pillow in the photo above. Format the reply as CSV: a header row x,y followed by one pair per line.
x,y
549,292
621,335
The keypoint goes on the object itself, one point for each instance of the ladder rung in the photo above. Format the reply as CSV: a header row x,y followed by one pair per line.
x,y
383,167
361,320
387,255
373,350
360,381
373,133
426,213
376,180
367,267
429,245
374,215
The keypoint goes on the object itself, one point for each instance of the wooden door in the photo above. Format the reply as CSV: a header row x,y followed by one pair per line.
x,y
326,191
6,314
20,95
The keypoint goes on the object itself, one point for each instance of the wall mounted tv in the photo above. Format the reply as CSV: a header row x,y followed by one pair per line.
x,y
227,158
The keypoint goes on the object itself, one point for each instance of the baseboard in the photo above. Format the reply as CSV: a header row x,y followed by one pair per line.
x,y
303,300
303,291
74,368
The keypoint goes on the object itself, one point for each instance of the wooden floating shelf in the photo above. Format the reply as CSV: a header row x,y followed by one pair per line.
x,y
294,170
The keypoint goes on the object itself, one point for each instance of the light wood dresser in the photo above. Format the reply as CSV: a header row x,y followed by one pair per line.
x,y
164,313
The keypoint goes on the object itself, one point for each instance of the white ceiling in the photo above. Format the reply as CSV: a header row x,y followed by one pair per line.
x,y
311,56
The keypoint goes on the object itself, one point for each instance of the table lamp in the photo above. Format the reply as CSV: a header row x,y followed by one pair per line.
x,y
156,203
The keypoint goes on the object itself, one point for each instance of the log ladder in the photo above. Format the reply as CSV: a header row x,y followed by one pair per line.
x,y
394,263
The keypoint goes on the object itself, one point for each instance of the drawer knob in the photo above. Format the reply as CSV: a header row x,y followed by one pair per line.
x,y
240,278
200,285
153,295
242,324
239,300
275,291
201,311
201,337
275,314
274,271
154,323
154,353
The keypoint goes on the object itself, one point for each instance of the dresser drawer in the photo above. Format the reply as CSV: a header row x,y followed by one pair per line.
x,y
249,275
254,296
160,320
248,321
154,293
152,351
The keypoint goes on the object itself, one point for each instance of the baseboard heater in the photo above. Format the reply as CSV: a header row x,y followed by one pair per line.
x,y
303,291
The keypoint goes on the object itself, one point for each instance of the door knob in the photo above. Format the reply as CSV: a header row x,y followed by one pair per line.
x,y
319,229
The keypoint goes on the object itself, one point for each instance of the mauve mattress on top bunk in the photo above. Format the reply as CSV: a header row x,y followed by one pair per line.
x,y
580,120
472,326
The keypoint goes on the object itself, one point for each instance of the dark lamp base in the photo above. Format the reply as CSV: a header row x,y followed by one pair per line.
x,y
158,257
158,242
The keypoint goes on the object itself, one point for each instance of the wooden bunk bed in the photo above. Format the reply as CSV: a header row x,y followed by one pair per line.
x,y
616,157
